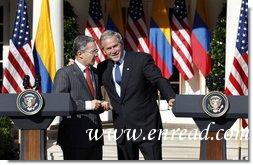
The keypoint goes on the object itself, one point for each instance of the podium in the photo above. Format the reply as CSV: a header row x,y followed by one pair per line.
x,y
33,127
191,106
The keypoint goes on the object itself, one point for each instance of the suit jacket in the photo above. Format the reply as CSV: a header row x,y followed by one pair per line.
x,y
137,107
71,133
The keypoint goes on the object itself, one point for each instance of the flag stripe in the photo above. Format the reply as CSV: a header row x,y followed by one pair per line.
x,y
115,18
28,57
163,62
162,46
130,40
138,35
159,62
136,29
200,56
11,82
200,39
242,76
181,31
133,36
183,67
184,50
160,38
44,50
237,82
202,34
95,27
20,60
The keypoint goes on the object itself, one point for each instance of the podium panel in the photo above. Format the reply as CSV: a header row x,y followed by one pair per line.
x,y
191,106
33,127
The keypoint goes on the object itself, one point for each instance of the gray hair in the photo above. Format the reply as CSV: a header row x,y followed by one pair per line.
x,y
81,42
109,34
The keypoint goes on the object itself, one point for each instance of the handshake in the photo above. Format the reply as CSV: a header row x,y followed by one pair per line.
x,y
97,104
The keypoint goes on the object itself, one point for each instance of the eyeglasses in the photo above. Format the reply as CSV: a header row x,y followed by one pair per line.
x,y
93,51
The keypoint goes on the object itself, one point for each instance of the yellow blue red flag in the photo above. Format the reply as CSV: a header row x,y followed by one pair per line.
x,y
201,38
44,53
160,38
115,18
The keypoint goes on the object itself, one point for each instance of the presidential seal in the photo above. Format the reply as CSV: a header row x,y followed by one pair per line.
x,y
29,102
215,104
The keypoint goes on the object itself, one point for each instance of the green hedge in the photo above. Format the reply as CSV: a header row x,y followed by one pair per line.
x,y
71,30
7,149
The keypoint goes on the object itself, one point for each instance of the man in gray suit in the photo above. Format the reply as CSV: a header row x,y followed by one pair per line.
x,y
80,80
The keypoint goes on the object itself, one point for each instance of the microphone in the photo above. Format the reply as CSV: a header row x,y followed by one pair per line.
x,y
37,83
26,82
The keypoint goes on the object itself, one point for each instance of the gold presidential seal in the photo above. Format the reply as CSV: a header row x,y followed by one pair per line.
x,y
215,104
29,102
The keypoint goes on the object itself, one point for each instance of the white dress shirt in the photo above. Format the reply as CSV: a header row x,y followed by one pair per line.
x,y
88,105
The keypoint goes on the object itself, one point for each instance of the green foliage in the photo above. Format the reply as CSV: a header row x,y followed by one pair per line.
x,y
7,150
216,80
70,30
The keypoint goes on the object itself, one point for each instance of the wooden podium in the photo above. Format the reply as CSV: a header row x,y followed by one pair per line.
x,y
191,106
33,127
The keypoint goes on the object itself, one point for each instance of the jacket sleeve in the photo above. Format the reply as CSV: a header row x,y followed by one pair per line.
x,y
153,74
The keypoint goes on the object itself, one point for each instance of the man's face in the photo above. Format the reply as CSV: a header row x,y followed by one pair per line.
x,y
113,48
87,57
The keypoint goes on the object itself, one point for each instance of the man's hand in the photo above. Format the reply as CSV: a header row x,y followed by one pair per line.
x,y
170,103
71,62
95,104
106,105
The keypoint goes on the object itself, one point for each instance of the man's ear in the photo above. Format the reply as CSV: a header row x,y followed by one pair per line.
x,y
79,54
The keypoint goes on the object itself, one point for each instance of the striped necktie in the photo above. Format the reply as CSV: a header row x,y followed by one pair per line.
x,y
89,80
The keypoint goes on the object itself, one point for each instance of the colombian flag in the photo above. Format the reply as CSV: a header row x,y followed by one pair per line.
x,y
44,54
115,18
201,39
160,38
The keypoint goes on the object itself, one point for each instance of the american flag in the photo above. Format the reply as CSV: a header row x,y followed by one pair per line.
x,y
237,83
95,26
181,40
20,60
136,31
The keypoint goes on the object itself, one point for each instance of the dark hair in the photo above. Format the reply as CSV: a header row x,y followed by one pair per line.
x,y
80,43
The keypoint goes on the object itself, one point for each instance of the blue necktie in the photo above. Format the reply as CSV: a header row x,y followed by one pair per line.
x,y
117,73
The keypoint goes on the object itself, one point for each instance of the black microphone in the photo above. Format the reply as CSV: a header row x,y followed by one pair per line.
x,y
26,81
37,83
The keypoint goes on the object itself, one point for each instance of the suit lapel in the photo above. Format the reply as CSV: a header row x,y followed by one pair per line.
x,y
80,77
127,69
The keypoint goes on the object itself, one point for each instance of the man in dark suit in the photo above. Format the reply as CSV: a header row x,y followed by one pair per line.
x,y
131,80
81,81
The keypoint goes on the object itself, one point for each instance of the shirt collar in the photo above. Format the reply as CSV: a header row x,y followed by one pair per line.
x,y
81,66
